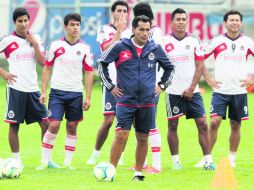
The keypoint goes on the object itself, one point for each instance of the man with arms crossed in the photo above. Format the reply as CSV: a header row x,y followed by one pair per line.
x,y
183,96
68,57
136,90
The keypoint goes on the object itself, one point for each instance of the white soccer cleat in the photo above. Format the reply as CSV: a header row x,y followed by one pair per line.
x,y
92,160
200,164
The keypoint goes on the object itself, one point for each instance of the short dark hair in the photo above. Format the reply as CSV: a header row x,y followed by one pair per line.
x,y
72,16
20,11
119,2
232,12
177,11
143,8
141,18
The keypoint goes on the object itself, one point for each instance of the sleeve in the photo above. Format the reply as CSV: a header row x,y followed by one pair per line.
x,y
198,51
209,48
2,44
168,68
157,36
88,60
107,57
50,56
250,50
104,37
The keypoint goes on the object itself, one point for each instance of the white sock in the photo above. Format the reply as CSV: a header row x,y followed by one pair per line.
x,y
137,173
16,156
70,146
232,156
175,158
96,153
47,146
155,142
208,158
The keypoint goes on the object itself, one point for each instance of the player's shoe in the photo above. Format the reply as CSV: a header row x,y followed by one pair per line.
x,y
92,160
53,165
42,166
69,167
177,165
200,164
209,166
138,178
153,170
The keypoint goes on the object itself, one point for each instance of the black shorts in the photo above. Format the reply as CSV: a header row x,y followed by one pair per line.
x,y
24,106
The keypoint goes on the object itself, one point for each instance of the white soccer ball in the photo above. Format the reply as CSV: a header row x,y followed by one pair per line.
x,y
104,172
2,163
11,169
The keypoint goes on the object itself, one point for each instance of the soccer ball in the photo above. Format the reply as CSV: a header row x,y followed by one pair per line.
x,y
2,163
11,169
104,172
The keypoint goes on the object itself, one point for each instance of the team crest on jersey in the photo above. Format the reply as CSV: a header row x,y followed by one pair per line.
x,y
187,47
108,106
175,110
49,113
151,56
211,109
11,114
78,52
242,48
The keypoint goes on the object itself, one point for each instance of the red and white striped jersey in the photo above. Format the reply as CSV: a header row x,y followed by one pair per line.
x,y
183,54
20,55
104,35
230,61
69,61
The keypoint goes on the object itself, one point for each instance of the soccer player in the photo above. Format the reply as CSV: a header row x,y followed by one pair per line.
x,y
107,35
67,57
183,96
156,34
136,89
230,51
22,51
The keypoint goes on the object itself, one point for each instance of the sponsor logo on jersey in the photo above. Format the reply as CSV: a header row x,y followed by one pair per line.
x,y
108,106
151,56
175,110
11,114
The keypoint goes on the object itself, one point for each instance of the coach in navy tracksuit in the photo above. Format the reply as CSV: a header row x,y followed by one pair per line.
x,y
135,60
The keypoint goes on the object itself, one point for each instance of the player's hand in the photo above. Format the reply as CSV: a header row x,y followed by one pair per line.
x,y
86,104
248,81
31,39
121,23
43,98
10,78
157,91
214,84
188,94
117,92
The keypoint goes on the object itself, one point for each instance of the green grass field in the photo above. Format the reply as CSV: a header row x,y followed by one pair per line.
x,y
190,153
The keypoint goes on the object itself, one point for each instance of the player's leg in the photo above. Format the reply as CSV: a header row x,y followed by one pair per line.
x,y
175,108
15,114
238,111
109,107
73,114
125,117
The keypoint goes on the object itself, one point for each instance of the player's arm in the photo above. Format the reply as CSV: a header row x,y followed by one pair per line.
x,y
39,55
106,58
120,26
168,68
89,85
10,78
46,74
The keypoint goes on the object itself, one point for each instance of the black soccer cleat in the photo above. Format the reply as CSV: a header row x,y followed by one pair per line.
x,y
138,178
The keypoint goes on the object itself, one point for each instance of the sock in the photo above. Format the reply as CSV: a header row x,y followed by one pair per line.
x,y
16,156
175,158
137,173
70,145
208,158
155,142
47,146
96,153
232,156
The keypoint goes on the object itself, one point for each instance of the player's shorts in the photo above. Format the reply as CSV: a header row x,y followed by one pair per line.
x,y
144,118
108,101
24,106
65,102
237,106
178,106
